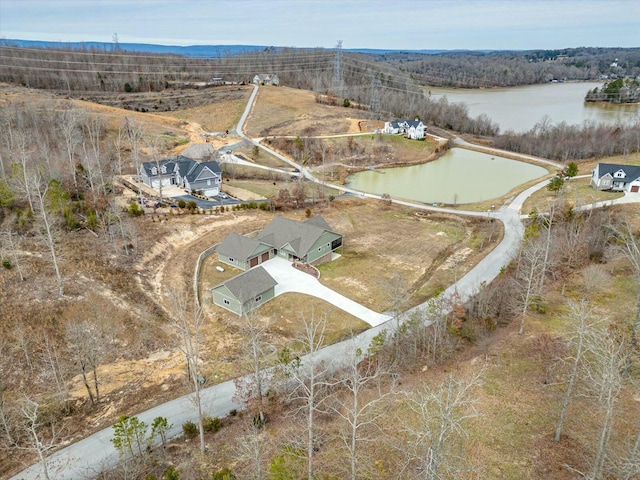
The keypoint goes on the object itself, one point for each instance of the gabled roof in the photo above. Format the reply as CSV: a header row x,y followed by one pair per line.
x,y
239,247
300,236
632,172
249,284
148,167
200,169
401,123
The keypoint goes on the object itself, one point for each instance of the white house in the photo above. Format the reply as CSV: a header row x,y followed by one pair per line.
x,y
413,129
266,79
610,176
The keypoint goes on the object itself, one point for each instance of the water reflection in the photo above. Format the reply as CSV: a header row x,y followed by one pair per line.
x,y
459,176
520,108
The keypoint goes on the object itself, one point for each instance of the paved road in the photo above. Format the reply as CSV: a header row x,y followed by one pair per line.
x,y
84,459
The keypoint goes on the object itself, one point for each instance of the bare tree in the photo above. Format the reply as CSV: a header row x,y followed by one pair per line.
x,y
628,244
89,340
33,425
135,134
604,372
189,323
39,186
581,314
309,379
527,276
253,388
439,417
357,403
72,136
253,449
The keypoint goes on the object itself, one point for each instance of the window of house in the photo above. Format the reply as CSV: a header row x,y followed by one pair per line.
x,y
231,259
258,298
154,171
163,169
319,249
605,182
226,302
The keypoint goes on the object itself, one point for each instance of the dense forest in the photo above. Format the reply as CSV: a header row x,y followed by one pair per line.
x,y
508,69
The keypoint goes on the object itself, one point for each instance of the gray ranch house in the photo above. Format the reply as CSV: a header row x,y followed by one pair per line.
x,y
413,129
619,178
184,172
245,292
311,241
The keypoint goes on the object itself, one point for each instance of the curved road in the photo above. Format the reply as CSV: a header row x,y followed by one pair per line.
x,y
86,458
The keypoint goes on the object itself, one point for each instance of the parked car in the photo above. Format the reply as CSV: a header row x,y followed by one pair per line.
x,y
223,195
229,152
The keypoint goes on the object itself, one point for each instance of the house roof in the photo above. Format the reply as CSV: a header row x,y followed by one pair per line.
x,y
249,284
300,236
148,167
632,172
238,246
401,123
199,168
191,169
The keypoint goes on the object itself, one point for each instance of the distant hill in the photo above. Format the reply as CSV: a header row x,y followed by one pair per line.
x,y
207,51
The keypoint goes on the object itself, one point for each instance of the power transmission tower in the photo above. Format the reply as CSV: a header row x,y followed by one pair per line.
x,y
337,70
376,85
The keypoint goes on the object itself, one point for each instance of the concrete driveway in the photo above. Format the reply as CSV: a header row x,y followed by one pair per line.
x,y
292,280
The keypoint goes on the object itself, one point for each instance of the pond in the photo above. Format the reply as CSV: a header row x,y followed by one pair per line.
x,y
459,176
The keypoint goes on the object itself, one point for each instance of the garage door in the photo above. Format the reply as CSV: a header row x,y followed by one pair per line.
x,y
265,256
253,262
635,188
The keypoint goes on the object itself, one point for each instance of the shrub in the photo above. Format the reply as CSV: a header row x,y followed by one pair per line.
x,y
134,209
6,263
346,103
224,474
182,203
211,424
171,474
128,88
189,429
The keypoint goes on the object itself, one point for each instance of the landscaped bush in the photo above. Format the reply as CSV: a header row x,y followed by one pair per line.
x,y
189,429
211,424
182,203
224,474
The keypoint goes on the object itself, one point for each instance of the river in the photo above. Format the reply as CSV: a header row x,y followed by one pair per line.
x,y
520,108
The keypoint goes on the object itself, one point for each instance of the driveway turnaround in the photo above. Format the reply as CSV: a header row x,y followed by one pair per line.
x,y
291,279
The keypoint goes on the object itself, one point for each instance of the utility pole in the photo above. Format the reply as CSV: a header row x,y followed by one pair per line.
x,y
376,85
337,70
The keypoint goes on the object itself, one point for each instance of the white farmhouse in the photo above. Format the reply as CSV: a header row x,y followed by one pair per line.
x,y
413,129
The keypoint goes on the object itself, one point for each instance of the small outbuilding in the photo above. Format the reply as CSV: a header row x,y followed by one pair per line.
x,y
245,292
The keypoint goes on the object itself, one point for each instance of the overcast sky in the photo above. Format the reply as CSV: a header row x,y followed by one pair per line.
x,y
387,24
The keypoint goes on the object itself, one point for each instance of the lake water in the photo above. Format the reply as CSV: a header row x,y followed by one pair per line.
x,y
520,108
459,176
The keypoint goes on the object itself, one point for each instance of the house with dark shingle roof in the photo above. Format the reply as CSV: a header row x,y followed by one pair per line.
x,y
185,172
243,252
245,292
154,174
413,129
620,178
311,241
